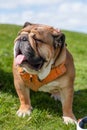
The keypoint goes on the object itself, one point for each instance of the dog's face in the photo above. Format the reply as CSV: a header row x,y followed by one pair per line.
x,y
36,47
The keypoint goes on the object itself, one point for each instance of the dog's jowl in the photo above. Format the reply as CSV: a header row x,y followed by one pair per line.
x,y
43,63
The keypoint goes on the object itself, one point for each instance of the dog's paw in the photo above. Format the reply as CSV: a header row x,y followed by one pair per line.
x,y
23,113
56,96
68,120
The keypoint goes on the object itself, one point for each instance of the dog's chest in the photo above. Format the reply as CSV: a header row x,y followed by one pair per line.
x,y
49,87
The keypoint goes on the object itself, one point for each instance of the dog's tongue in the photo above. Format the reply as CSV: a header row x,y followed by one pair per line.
x,y
19,59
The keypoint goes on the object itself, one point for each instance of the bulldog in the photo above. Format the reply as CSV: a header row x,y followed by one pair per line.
x,y
43,63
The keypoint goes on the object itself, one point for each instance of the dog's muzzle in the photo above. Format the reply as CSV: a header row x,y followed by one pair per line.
x,y
25,54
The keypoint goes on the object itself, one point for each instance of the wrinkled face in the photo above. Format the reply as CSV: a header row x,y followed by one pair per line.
x,y
35,46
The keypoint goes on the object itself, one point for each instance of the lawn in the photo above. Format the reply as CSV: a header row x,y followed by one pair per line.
x,y
47,113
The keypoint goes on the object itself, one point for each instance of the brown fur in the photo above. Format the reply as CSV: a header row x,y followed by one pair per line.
x,y
65,82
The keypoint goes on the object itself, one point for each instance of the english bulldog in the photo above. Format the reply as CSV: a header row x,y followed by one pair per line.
x,y
43,63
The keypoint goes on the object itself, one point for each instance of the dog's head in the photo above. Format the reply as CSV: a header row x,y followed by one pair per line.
x,y
36,46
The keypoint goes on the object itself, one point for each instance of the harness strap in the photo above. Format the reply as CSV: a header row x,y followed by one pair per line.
x,y
34,83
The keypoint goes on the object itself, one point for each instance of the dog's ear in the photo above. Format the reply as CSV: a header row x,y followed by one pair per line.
x,y
26,24
59,40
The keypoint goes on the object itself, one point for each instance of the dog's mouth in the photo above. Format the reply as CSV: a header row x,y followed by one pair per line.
x,y
33,63
25,54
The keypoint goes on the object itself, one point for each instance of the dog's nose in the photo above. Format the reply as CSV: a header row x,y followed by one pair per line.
x,y
24,38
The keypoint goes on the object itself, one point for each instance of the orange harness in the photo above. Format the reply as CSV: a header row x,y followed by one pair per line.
x,y
34,83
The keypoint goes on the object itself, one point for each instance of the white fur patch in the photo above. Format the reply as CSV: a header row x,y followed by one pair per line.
x,y
21,113
45,71
56,96
14,50
68,120
49,87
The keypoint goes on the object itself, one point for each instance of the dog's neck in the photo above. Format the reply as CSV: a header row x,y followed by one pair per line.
x,y
54,63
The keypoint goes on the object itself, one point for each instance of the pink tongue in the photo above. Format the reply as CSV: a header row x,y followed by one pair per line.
x,y
19,59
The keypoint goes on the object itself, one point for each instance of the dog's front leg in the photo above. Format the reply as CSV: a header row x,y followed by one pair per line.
x,y
24,97
67,100
25,107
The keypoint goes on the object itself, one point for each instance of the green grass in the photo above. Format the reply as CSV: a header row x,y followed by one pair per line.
x,y
47,113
